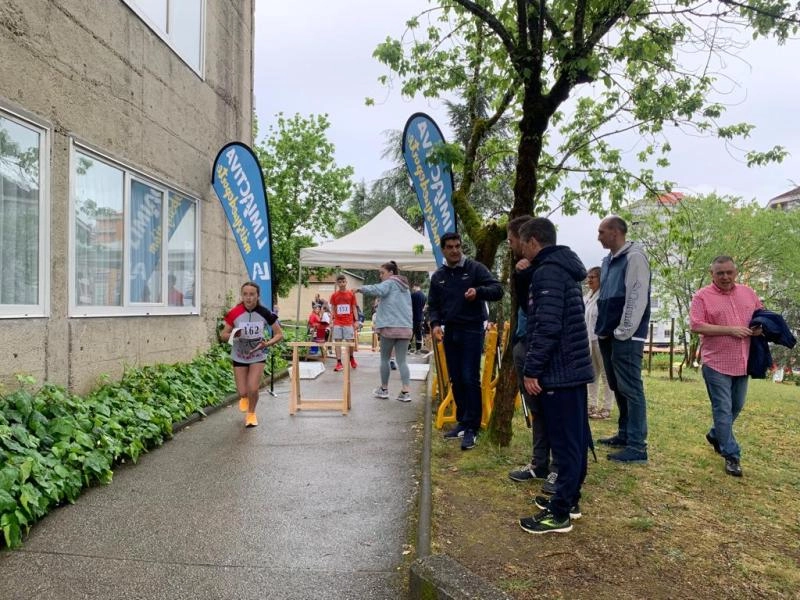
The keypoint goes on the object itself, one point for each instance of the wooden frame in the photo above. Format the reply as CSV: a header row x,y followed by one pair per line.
x,y
296,402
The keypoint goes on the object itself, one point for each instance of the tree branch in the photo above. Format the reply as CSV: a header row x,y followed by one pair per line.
x,y
493,23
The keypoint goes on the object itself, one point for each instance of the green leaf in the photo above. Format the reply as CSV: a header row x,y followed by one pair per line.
x,y
11,530
7,501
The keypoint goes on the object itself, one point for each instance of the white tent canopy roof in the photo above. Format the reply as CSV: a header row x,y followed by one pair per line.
x,y
386,237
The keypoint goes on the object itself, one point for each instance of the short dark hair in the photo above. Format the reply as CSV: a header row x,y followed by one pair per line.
x,y
617,223
341,277
514,225
540,229
450,235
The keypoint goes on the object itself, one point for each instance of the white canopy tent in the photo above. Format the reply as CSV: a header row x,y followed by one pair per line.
x,y
386,237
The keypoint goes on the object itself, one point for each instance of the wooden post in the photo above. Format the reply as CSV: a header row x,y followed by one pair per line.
x,y
296,402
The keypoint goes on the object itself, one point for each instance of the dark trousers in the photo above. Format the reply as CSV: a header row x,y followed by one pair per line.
x,y
566,421
416,328
541,446
463,349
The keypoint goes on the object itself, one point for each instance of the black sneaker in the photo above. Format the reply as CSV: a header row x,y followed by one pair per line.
x,y
526,473
714,442
629,456
546,522
469,440
455,433
614,441
732,466
543,502
549,486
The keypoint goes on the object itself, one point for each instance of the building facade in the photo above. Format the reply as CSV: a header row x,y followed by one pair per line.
x,y
786,201
114,249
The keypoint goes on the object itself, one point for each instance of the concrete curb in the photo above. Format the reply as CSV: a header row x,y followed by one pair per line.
x,y
438,576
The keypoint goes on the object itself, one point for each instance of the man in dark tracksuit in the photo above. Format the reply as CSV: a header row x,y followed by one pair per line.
x,y
457,302
557,368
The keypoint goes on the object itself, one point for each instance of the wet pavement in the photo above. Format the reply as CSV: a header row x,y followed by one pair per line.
x,y
311,506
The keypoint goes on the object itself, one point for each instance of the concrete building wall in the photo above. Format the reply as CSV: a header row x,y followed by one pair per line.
x,y
93,73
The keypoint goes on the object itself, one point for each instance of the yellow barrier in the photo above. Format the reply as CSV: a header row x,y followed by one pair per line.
x,y
488,384
447,406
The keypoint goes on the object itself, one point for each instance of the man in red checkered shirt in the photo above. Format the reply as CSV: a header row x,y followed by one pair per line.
x,y
721,313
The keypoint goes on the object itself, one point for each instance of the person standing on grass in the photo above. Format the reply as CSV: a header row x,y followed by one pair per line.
x,y
557,369
540,466
344,308
457,311
721,313
623,315
395,327
600,394
248,322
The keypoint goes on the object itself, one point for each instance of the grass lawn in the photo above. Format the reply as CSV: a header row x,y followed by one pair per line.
x,y
678,527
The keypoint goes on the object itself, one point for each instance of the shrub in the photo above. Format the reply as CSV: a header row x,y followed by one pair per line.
x,y
54,443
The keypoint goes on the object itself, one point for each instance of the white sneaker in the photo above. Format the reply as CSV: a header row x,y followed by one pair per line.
x,y
381,392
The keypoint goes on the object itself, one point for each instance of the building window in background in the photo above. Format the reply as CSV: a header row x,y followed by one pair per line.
x,y
23,223
134,240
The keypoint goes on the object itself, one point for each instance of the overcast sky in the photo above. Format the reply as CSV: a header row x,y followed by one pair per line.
x,y
315,56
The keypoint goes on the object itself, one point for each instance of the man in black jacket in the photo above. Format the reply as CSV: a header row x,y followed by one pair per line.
x,y
540,466
557,368
457,300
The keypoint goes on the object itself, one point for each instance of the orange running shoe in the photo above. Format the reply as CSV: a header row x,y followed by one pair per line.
x,y
244,404
353,363
250,420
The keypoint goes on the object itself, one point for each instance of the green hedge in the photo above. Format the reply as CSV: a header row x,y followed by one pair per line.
x,y
53,443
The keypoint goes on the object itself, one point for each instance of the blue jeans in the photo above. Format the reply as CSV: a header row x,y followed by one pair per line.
x,y
541,445
622,360
727,394
463,349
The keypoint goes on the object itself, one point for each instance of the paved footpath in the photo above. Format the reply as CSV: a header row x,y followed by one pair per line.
x,y
313,506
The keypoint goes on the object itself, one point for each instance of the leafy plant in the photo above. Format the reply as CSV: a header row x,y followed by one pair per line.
x,y
54,443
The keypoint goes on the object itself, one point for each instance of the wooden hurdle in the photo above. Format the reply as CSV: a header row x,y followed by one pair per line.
x,y
296,401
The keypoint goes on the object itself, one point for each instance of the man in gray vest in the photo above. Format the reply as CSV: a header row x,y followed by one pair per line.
x,y
623,316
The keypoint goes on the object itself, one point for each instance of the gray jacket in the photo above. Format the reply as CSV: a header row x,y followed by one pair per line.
x,y
395,306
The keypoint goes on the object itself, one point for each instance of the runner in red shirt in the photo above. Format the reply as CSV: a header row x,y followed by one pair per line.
x,y
344,310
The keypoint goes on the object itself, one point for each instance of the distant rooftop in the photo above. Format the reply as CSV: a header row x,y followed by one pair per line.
x,y
671,198
788,199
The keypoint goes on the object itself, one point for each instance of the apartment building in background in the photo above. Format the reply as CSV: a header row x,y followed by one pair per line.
x,y
114,249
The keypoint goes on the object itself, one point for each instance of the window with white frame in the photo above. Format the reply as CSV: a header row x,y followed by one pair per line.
x,y
179,23
23,223
134,242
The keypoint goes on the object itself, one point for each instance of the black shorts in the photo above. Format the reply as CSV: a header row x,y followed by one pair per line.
x,y
237,364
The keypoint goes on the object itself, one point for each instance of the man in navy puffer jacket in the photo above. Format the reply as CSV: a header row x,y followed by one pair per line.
x,y
557,368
